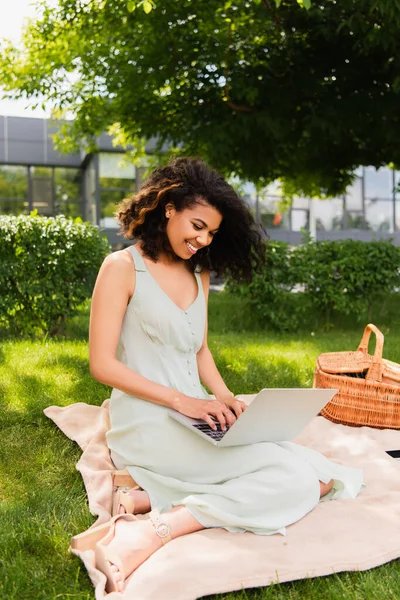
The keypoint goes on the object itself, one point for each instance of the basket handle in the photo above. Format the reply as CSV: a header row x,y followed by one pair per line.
x,y
376,368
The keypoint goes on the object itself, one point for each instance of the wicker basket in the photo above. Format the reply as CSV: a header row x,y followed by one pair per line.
x,y
369,386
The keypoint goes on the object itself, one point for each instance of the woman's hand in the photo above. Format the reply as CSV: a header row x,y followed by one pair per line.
x,y
235,405
208,410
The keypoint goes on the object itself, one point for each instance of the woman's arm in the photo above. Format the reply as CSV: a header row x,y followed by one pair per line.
x,y
114,287
208,371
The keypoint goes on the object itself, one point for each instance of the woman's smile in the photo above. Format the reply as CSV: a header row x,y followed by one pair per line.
x,y
192,249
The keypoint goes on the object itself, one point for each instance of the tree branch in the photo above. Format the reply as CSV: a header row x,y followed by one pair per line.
x,y
232,105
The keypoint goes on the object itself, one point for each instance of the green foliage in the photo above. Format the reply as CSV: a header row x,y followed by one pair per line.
x,y
271,293
346,277
260,90
48,267
321,280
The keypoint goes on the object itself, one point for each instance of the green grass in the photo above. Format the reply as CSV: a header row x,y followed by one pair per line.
x,y
42,498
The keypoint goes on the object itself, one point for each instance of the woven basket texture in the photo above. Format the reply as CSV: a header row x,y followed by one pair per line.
x,y
369,385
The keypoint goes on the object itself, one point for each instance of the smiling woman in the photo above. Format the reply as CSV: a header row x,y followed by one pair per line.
x,y
148,341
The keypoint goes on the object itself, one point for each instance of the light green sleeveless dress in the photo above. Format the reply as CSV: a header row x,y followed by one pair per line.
x,y
259,487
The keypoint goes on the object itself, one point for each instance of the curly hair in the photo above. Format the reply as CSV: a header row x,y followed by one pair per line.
x,y
237,248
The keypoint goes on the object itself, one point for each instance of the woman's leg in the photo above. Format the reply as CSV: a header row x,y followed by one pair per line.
x,y
135,541
142,501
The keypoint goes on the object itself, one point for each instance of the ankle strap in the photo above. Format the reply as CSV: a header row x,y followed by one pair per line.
x,y
122,479
162,529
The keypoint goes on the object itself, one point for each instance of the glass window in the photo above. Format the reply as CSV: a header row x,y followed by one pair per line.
x,y
379,214
397,180
328,214
354,195
300,219
117,181
90,188
13,207
302,203
13,183
42,190
114,165
356,220
378,183
275,220
272,215
67,184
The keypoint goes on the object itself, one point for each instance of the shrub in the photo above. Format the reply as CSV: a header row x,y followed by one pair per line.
x,y
48,268
346,277
330,278
271,293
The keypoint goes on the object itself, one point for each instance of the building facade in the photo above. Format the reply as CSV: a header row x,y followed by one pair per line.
x,y
33,175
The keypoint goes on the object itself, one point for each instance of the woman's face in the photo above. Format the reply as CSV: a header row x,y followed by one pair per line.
x,y
191,229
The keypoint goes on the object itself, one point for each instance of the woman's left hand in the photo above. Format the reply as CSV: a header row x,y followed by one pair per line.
x,y
236,406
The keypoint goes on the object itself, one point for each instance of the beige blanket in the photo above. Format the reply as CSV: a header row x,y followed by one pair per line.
x,y
338,535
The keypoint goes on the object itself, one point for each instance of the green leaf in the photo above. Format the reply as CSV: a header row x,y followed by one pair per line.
x,y
278,3
131,6
147,7
305,4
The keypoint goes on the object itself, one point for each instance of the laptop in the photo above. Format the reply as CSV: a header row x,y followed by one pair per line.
x,y
274,415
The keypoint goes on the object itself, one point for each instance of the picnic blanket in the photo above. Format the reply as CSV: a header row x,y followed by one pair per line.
x,y
338,535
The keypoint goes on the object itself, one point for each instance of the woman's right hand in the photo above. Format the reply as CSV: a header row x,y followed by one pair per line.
x,y
208,410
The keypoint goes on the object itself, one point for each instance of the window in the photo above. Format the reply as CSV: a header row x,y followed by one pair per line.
x,y
272,214
42,190
300,219
354,199
13,190
328,214
117,181
67,192
378,183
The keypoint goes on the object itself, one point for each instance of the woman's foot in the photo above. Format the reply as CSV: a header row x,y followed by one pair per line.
x,y
132,544
325,488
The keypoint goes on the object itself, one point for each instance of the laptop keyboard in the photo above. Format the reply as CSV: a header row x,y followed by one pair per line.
x,y
216,434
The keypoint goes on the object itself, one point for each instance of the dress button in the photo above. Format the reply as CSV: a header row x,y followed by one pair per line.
x,y
192,332
190,372
194,385
190,321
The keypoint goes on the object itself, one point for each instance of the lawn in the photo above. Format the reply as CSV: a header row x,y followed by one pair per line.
x,y
42,498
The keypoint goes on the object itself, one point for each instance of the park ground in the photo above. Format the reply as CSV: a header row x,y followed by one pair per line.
x,y
42,497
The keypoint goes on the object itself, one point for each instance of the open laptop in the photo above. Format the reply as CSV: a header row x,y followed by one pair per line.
x,y
274,415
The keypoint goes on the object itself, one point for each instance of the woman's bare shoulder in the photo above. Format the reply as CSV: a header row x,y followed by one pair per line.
x,y
120,260
119,266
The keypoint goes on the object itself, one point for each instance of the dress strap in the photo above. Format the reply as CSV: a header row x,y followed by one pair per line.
x,y
197,273
137,259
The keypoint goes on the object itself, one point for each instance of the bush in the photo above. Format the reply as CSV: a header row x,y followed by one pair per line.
x,y
330,278
346,277
271,293
48,268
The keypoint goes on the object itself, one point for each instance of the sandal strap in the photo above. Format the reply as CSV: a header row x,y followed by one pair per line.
x,y
162,529
122,479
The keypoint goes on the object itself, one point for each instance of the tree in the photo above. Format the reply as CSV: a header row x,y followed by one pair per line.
x,y
258,90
